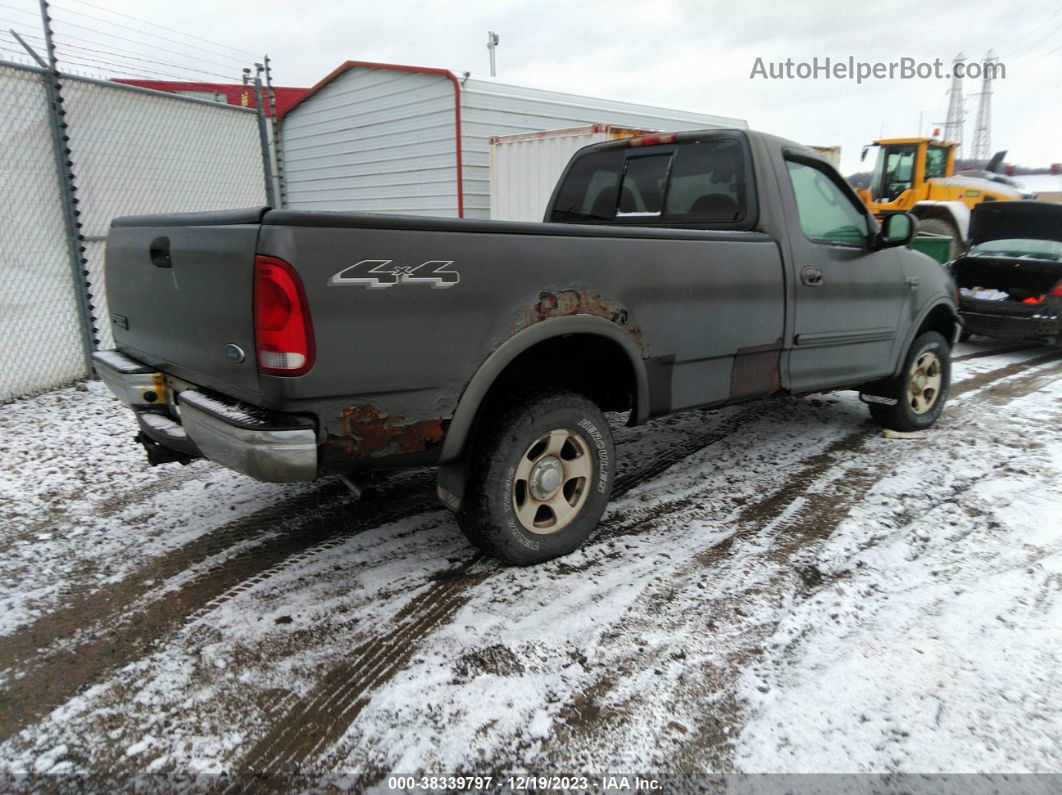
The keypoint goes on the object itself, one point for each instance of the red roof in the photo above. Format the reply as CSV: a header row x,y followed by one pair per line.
x,y
346,66
235,94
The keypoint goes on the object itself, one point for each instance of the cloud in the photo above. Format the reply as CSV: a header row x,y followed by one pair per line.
x,y
681,53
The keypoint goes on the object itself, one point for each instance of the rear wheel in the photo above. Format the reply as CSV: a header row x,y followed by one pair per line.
x,y
923,386
540,479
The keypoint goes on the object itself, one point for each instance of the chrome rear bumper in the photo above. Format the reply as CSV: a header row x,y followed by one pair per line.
x,y
265,445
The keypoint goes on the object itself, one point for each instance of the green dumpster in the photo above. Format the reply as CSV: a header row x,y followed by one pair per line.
x,y
936,246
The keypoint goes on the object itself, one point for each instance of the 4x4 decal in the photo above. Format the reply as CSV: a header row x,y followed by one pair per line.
x,y
377,274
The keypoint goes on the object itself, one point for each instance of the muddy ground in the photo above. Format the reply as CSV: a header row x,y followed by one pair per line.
x,y
775,587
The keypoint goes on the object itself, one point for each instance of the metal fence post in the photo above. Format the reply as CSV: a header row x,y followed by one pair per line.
x,y
263,137
68,193
278,156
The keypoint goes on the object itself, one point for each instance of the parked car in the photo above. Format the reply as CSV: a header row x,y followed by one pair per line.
x,y
673,271
1010,278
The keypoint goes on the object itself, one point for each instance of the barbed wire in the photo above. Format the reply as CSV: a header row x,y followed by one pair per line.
x,y
60,19
120,60
244,53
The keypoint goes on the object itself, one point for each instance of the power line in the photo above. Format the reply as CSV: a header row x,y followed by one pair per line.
x,y
64,23
82,62
66,55
229,77
1035,30
33,14
1039,41
90,63
163,27
138,31
1044,55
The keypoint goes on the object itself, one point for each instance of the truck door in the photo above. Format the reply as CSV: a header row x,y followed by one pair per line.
x,y
848,296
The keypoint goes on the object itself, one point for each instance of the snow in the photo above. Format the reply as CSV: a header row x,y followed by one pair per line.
x,y
1041,183
794,593
942,652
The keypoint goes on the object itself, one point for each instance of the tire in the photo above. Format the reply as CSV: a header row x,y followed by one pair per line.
x,y
917,409
514,508
938,227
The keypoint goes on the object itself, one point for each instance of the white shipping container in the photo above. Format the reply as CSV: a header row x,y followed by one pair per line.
x,y
525,168
832,155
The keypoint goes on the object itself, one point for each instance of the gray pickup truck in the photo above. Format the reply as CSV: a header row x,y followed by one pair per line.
x,y
673,271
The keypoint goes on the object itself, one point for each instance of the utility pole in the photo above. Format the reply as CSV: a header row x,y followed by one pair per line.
x,y
982,146
492,43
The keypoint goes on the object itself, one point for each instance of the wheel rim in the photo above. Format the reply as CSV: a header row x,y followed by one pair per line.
x,y
552,481
923,385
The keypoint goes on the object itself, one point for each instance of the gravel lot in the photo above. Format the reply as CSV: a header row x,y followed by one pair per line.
x,y
776,587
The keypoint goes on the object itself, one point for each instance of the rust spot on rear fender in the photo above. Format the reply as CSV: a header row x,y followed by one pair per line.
x,y
562,303
366,432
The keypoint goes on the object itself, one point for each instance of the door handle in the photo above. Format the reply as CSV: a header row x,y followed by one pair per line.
x,y
159,251
812,277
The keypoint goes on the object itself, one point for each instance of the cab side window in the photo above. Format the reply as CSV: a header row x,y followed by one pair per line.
x,y
827,215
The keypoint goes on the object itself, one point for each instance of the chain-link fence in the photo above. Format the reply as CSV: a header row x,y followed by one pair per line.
x,y
39,321
129,151
137,151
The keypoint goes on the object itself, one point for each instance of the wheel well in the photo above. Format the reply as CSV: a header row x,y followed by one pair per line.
x,y
936,212
591,365
940,319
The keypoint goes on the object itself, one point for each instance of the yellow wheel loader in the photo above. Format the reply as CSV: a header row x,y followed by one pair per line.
x,y
917,175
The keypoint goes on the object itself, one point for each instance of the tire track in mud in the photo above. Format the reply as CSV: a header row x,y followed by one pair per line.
x,y
312,724
990,376
54,663
319,720
796,520
49,671
1000,351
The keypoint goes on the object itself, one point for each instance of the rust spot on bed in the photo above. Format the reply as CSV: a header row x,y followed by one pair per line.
x,y
369,433
562,303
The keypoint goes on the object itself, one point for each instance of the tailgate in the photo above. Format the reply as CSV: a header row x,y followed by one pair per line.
x,y
179,289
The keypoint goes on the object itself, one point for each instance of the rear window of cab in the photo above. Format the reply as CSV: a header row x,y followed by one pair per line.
x,y
697,183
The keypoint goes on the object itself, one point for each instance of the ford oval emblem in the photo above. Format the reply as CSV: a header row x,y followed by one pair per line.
x,y
235,352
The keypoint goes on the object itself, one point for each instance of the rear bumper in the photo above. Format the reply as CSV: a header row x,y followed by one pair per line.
x,y
265,445
1047,326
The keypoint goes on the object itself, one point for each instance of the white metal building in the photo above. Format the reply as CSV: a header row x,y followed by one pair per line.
x,y
385,138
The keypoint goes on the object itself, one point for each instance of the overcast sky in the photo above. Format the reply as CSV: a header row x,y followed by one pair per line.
x,y
690,55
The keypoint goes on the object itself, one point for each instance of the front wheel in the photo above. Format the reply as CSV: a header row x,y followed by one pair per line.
x,y
923,387
938,226
541,478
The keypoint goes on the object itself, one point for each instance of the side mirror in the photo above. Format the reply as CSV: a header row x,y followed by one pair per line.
x,y
897,229
863,154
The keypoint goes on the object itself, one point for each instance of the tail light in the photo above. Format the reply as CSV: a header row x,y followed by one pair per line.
x,y
1057,292
283,332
